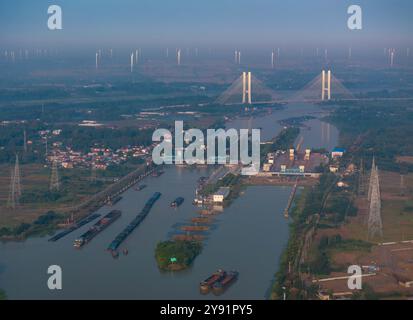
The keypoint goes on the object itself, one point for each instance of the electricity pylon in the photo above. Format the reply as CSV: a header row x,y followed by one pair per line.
x,y
15,188
375,227
54,178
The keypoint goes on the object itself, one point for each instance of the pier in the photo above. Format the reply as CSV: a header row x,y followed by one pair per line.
x,y
111,192
290,199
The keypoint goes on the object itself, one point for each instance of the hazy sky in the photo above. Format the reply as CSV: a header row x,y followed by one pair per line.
x,y
205,22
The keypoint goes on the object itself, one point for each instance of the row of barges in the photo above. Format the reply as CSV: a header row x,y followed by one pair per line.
x,y
98,227
135,223
74,227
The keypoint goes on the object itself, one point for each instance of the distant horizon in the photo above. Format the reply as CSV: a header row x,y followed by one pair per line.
x,y
215,23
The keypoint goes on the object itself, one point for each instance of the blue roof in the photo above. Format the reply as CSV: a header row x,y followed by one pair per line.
x,y
339,150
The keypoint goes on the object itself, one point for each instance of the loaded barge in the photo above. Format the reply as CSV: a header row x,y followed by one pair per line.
x,y
134,224
98,227
207,284
220,286
74,227
218,282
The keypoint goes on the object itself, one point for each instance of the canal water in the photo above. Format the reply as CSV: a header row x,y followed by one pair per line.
x,y
315,133
249,237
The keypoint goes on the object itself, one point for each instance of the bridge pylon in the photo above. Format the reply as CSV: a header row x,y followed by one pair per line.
x,y
325,85
246,88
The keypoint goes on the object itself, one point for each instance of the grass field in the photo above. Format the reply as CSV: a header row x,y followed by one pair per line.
x,y
396,212
75,188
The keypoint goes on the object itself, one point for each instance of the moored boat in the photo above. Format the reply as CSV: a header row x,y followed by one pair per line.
x,y
98,227
140,187
112,201
177,202
207,284
224,283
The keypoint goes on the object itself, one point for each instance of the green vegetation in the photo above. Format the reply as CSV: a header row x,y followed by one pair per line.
x,y
283,141
43,225
307,207
176,255
380,129
2,295
366,293
234,182
227,181
321,262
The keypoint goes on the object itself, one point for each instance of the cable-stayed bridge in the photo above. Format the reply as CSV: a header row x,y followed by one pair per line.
x,y
248,89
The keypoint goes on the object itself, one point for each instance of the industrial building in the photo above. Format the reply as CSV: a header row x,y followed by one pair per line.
x,y
294,163
221,194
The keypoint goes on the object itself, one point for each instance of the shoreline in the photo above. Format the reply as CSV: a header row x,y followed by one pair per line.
x,y
84,209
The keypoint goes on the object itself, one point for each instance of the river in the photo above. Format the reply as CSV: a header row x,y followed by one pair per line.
x,y
249,236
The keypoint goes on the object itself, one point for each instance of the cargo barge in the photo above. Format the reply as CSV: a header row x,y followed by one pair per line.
x,y
177,202
98,227
207,284
134,224
74,227
221,285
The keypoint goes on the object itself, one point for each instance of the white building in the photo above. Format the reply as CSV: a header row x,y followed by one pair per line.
x,y
221,194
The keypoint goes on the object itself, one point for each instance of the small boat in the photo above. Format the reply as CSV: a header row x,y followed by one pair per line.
x,y
224,283
157,173
207,284
125,252
140,187
177,202
112,201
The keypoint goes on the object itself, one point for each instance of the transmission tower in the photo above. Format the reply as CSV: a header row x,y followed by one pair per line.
x,y
54,178
375,227
25,141
403,172
372,176
361,178
93,173
15,188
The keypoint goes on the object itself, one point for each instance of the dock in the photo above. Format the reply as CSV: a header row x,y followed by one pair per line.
x,y
111,192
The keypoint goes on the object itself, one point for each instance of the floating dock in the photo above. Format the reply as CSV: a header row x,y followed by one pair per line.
x,y
134,224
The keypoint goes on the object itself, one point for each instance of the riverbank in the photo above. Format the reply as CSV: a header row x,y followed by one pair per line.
x,y
305,217
51,221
